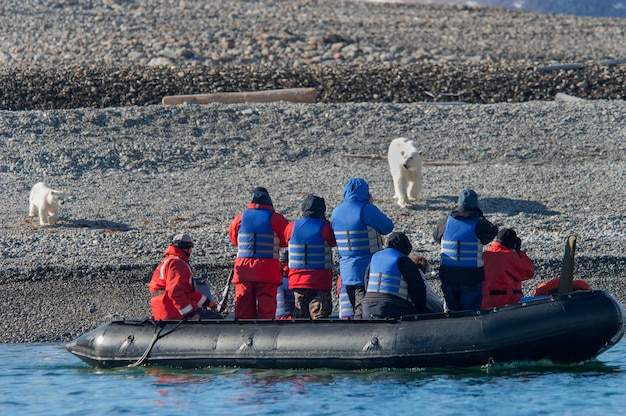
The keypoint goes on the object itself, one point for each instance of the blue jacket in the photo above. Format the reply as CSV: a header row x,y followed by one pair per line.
x,y
357,219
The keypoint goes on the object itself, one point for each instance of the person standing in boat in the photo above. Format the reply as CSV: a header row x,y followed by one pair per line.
x,y
395,286
258,233
462,235
358,225
310,239
506,267
284,296
174,296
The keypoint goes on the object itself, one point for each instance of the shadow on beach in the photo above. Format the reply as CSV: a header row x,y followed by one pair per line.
x,y
508,206
97,224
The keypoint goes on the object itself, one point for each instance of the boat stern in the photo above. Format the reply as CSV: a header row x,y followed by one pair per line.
x,y
620,329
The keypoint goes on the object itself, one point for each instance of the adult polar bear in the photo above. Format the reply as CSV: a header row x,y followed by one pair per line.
x,y
45,201
405,164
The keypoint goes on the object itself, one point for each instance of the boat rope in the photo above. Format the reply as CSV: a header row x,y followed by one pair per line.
x,y
155,337
158,327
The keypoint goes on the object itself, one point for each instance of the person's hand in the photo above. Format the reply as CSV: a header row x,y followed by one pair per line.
x,y
212,305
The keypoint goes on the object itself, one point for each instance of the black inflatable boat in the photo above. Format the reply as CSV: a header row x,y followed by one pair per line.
x,y
565,328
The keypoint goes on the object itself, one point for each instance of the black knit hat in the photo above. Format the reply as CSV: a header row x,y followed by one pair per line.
x,y
260,195
507,237
400,242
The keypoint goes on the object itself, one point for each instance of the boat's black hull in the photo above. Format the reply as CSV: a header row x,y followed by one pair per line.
x,y
567,329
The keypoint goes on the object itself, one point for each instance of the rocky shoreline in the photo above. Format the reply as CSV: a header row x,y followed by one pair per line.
x,y
80,110
134,53
472,83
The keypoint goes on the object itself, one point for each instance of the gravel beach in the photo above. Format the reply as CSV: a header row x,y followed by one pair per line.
x,y
80,110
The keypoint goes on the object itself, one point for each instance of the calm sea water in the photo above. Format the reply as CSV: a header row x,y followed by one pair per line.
x,y
597,8
44,379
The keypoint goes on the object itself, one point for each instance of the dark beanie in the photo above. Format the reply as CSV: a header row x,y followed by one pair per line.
x,y
468,199
313,206
182,241
400,242
507,237
261,196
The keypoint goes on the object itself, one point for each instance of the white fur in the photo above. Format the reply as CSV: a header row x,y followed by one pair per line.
x,y
45,202
405,164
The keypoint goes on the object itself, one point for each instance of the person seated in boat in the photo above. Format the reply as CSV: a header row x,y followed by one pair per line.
x,y
346,311
462,235
434,303
506,267
395,286
552,286
174,296
284,297
258,233
310,239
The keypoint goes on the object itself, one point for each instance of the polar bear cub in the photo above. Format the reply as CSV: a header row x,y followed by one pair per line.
x,y
45,202
405,164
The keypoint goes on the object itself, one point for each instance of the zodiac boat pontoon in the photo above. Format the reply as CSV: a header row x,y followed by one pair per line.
x,y
564,328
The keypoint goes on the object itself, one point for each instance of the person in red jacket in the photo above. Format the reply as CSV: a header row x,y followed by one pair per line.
x,y
506,267
172,287
310,240
258,233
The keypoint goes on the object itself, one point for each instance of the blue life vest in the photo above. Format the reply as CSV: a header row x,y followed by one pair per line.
x,y
345,306
307,248
459,245
354,237
256,238
385,276
284,299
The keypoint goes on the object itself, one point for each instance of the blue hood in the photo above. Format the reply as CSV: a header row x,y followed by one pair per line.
x,y
356,189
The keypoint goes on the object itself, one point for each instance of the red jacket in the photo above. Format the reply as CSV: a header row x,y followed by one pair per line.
x,y
258,270
173,276
505,270
320,279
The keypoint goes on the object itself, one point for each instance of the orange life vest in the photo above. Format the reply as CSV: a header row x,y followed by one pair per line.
x,y
545,288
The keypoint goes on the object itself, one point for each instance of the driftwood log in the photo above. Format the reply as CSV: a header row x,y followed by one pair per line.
x,y
294,95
